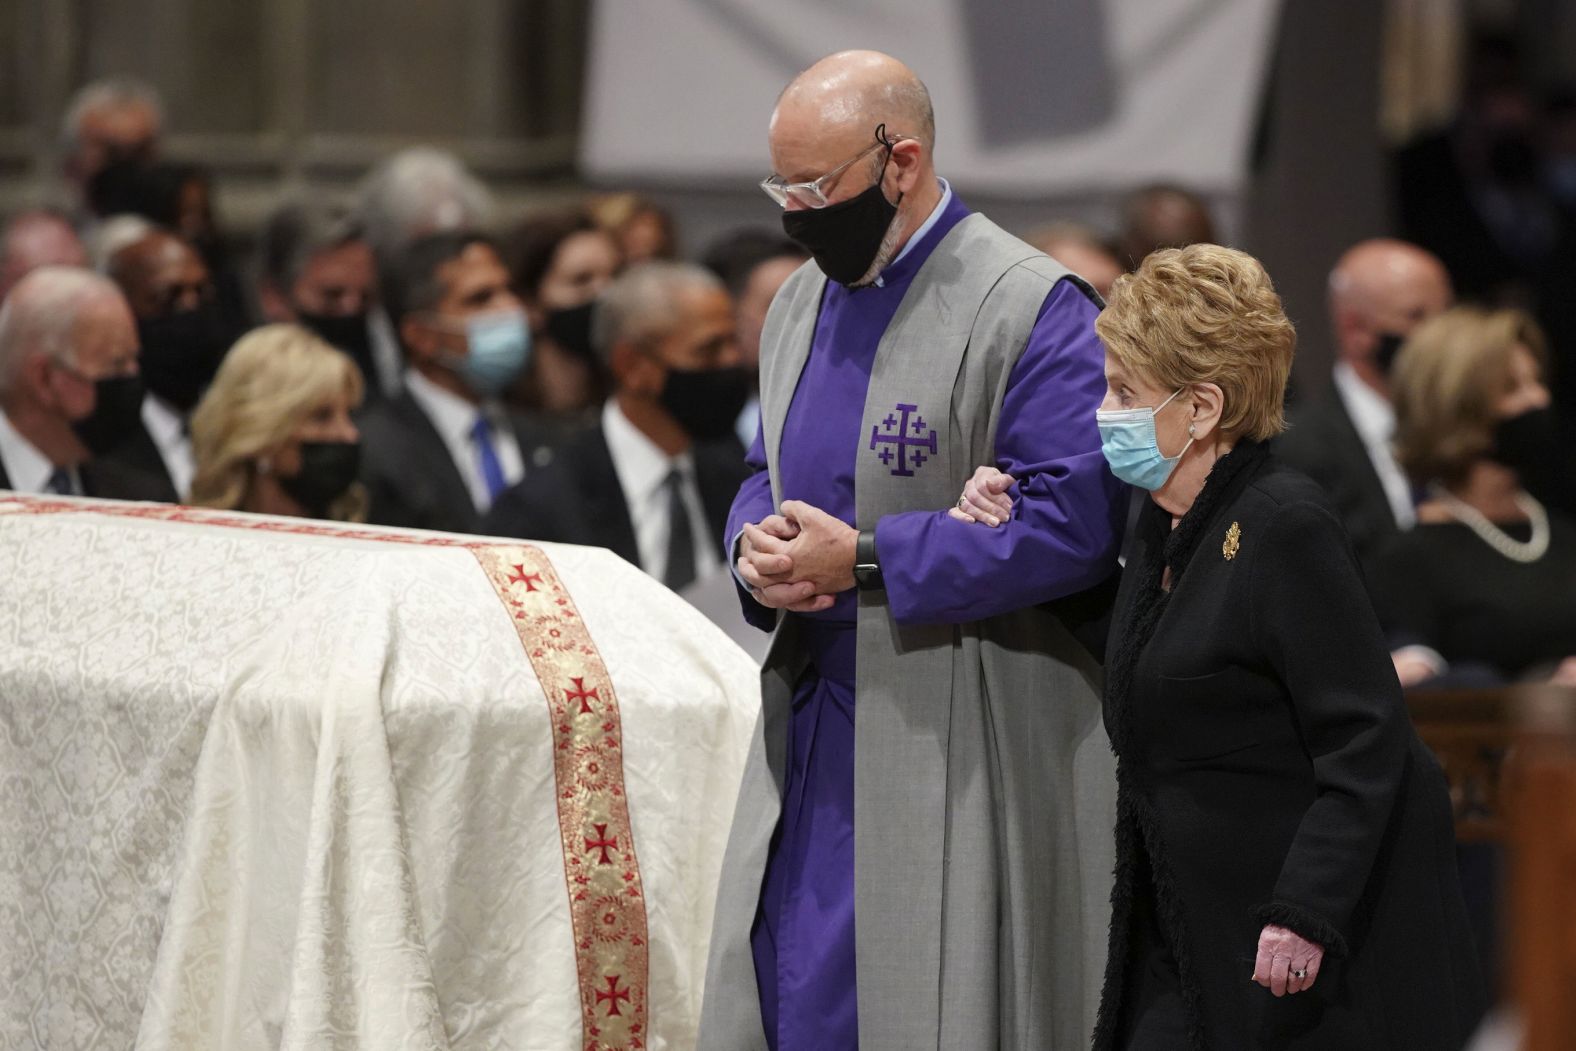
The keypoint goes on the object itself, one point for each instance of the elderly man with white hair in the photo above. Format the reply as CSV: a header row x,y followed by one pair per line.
x,y
69,388
109,120
652,481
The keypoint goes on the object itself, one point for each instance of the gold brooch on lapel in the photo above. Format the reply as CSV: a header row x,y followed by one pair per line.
x,y
1233,541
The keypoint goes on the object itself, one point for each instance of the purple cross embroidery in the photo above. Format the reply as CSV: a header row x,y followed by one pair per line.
x,y
898,444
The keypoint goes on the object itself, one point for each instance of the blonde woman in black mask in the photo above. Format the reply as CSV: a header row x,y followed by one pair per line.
x,y
274,433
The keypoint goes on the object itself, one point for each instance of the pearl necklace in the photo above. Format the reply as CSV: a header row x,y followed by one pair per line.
x,y
1530,550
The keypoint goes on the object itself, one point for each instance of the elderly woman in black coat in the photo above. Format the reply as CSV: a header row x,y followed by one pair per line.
x,y
1285,869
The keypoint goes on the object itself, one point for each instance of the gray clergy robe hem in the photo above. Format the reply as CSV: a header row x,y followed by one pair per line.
x,y
984,797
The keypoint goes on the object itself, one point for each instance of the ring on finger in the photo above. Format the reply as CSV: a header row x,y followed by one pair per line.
x,y
1301,974
962,502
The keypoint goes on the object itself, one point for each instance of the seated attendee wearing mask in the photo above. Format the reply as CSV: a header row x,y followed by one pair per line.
x,y
1379,291
183,338
753,263
316,270
654,479
438,455
1487,577
561,261
68,387
1278,817
109,120
274,433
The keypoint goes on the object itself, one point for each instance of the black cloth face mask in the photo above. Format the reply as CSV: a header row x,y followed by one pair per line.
x,y
1388,348
845,237
347,332
116,415
181,352
328,470
571,329
706,402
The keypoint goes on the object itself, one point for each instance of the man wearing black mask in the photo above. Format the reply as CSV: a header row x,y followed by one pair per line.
x,y
69,387
653,479
1380,290
183,336
317,270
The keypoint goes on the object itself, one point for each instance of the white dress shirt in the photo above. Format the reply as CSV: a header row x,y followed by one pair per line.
x,y
643,468
167,428
454,418
27,469
1374,419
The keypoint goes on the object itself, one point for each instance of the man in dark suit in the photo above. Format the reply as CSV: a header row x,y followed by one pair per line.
x,y
1379,291
437,455
654,478
69,387
184,337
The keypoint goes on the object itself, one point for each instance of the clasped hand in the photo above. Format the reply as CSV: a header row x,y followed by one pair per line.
x,y
798,560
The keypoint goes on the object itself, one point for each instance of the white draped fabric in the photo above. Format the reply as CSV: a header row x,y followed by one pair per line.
x,y
351,789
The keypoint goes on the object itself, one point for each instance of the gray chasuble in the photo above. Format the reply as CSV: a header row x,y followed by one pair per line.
x,y
984,784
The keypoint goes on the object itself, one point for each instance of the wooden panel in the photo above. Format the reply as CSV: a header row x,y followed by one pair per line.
x,y
1542,791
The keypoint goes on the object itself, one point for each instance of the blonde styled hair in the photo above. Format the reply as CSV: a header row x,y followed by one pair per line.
x,y
1447,378
1206,314
271,381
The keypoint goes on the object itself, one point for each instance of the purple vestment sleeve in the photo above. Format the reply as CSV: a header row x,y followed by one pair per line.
x,y
1067,518
752,504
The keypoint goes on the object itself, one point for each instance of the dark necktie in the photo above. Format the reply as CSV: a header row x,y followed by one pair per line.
x,y
680,569
487,457
60,482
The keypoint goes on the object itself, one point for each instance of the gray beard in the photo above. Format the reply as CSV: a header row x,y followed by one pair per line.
x,y
884,254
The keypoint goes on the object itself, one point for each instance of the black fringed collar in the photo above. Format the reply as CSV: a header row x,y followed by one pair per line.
x,y
1219,488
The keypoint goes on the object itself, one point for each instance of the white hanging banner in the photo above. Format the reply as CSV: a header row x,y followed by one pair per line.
x,y
1032,97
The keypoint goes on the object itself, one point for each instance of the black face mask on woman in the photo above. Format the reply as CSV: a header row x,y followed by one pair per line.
x,y
328,470
845,237
1533,445
571,329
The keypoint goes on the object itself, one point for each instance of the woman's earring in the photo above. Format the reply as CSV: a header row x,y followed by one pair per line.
x,y
1191,432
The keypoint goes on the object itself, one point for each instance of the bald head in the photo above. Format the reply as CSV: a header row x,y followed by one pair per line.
x,y
828,128
160,274
851,92
34,238
1383,287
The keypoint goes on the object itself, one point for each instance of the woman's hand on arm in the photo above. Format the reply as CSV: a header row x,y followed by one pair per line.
x,y
985,498
1284,955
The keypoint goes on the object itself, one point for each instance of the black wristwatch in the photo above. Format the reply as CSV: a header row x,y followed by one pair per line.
x,y
867,567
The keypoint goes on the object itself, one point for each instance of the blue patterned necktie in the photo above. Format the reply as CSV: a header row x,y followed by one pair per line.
x,y
487,456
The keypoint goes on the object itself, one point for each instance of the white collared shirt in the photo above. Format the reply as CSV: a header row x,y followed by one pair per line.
x,y
454,418
1374,419
28,469
167,428
643,468
924,228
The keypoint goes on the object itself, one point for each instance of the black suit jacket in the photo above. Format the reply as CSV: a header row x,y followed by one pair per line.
x,y
578,499
138,457
412,480
112,481
1322,442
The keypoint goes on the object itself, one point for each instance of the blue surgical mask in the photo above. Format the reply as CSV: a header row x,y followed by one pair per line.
x,y
1128,440
499,346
